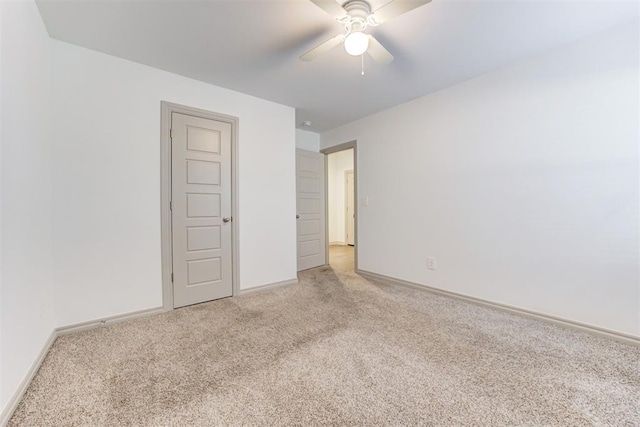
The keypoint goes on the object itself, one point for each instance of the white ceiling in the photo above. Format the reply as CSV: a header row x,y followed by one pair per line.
x,y
253,46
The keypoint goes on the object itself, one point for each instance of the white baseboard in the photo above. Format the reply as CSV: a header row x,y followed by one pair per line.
x,y
269,286
6,414
618,336
338,243
97,323
26,381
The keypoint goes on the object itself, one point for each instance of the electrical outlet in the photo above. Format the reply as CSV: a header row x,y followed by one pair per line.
x,y
432,263
365,201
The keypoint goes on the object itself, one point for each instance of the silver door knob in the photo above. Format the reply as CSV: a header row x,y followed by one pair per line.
x,y
226,219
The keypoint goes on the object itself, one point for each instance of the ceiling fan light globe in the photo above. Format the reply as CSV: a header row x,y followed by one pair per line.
x,y
356,43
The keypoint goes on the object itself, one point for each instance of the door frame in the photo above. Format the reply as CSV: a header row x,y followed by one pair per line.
x,y
334,149
166,109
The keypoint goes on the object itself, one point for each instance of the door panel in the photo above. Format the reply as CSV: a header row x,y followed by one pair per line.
x,y
201,198
310,208
351,213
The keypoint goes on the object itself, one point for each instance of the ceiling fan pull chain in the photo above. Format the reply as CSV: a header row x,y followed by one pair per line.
x,y
362,64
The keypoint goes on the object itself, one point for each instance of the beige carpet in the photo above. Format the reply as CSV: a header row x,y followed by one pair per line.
x,y
335,350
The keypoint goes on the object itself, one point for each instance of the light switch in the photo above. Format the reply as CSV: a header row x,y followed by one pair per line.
x,y
365,201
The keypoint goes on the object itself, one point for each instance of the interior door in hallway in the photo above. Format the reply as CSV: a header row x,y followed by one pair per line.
x,y
201,209
311,209
350,219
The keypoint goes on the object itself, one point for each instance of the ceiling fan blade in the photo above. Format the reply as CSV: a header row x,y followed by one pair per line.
x,y
396,8
324,47
331,7
378,52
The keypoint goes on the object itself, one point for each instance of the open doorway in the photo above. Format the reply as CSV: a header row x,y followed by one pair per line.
x,y
341,206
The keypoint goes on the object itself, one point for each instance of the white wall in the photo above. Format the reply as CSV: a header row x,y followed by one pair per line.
x,y
522,182
106,178
26,277
338,164
307,140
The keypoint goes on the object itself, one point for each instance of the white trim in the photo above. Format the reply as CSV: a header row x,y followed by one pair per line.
x,y
58,332
93,324
338,243
106,321
269,286
15,399
7,413
595,330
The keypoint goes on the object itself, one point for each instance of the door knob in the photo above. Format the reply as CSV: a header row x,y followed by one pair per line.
x,y
297,216
226,219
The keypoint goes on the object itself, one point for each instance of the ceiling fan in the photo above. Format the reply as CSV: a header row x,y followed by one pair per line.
x,y
356,16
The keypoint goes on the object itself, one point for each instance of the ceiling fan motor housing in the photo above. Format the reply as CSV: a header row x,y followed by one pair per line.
x,y
357,8
356,19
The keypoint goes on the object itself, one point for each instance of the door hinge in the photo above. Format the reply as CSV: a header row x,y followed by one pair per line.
x,y
170,205
171,277
170,133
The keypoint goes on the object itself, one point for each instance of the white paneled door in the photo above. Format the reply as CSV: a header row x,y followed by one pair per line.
x,y
311,210
201,209
350,207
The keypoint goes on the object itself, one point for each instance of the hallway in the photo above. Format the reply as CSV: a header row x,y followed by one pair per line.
x,y
342,257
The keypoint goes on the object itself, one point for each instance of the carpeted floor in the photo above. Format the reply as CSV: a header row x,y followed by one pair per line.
x,y
335,349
